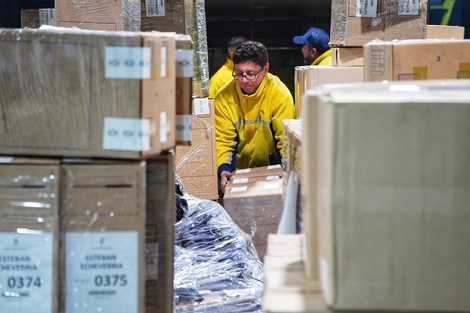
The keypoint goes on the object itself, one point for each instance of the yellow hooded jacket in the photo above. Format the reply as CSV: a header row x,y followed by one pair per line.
x,y
223,75
249,127
324,59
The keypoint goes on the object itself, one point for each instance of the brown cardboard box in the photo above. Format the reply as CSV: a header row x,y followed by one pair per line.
x,y
164,16
347,56
353,26
160,233
196,164
75,96
311,77
256,208
265,171
103,236
444,32
30,18
184,85
110,15
405,19
390,192
29,235
426,59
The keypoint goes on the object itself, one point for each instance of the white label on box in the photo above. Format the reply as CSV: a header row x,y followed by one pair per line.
x,y
408,7
184,63
325,280
6,159
275,166
128,62
126,134
243,171
26,267
155,7
366,8
163,127
101,273
240,180
163,61
151,261
183,127
239,189
46,17
273,177
271,186
201,106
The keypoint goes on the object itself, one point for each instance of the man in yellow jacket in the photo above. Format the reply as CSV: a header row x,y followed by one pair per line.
x,y
315,47
249,113
224,73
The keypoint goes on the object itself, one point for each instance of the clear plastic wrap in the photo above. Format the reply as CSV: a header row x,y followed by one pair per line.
x,y
225,265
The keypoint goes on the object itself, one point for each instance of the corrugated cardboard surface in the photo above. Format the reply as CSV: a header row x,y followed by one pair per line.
x,y
399,25
29,206
390,191
110,15
196,164
105,199
160,233
425,59
347,56
444,32
311,77
57,95
256,208
167,18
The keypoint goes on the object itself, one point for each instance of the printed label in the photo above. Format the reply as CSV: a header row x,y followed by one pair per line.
x,y
183,127
408,7
155,7
163,127
126,134
151,261
201,106
127,62
101,272
366,8
26,272
240,180
184,63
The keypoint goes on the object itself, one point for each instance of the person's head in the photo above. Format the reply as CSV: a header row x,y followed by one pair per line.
x,y
314,43
232,44
251,64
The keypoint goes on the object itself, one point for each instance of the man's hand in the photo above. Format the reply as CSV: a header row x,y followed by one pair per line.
x,y
225,176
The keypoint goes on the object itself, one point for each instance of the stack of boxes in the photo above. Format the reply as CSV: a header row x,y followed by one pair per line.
x,y
87,168
382,168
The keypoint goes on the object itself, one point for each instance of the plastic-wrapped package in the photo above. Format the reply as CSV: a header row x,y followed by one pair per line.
x,y
181,203
225,264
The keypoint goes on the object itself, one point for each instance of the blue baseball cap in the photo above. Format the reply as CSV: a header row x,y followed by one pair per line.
x,y
314,37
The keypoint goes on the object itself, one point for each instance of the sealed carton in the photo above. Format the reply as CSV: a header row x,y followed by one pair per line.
x,y
426,59
163,16
87,93
29,235
103,211
109,15
196,164
388,201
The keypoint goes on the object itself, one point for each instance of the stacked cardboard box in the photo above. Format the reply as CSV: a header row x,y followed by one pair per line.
x,y
196,164
253,199
104,117
387,195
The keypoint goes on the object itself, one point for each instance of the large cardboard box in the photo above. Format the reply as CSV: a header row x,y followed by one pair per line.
x,y
427,59
87,93
347,56
444,32
256,208
355,23
310,77
390,194
103,212
160,233
109,15
29,235
196,164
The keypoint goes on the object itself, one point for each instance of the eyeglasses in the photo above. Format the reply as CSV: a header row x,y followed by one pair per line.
x,y
248,76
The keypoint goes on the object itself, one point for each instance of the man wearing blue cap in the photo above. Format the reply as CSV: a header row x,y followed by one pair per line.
x,y
315,47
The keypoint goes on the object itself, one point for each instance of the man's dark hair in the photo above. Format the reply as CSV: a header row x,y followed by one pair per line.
x,y
251,51
234,41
